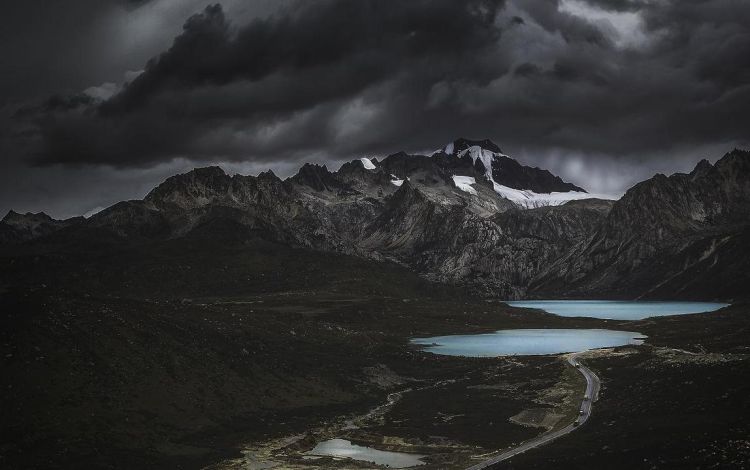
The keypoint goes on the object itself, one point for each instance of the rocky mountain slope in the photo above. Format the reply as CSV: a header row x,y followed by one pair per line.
x,y
466,215
17,228
680,236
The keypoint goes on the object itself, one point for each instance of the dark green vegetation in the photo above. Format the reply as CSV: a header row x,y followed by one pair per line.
x,y
134,352
173,353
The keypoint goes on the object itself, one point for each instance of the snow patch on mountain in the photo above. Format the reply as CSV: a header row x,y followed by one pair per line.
x,y
485,156
464,184
523,197
367,163
396,181
531,200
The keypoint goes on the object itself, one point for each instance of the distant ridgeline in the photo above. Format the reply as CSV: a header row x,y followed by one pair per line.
x,y
468,215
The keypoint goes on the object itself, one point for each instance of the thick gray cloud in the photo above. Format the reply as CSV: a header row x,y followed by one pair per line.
x,y
278,86
604,92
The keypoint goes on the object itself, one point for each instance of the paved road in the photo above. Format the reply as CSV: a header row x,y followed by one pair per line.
x,y
592,394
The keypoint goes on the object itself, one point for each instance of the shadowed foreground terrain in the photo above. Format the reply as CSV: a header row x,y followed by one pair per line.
x,y
149,354
179,353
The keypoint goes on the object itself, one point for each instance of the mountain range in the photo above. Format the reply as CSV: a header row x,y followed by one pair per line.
x,y
467,215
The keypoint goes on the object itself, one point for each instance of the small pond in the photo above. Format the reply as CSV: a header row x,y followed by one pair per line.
x,y
345,449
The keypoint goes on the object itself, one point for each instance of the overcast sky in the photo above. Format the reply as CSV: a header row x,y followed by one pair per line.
x,y
100,100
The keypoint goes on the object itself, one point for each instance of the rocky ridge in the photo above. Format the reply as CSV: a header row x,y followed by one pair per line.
x,y
468,215
679,236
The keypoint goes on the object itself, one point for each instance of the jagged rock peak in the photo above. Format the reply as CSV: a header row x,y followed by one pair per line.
x,y
405,197
268,175
315,166
205,176
736,158
10,215
462,143
738,153
312,169
16,227
208,172
13,217
190,189
702,168
316,177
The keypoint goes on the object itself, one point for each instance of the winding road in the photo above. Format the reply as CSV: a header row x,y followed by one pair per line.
x,y
591,395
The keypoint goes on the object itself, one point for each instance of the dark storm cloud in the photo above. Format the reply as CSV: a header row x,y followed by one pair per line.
x,y
57,47
367,39
345,77
630,86
289,71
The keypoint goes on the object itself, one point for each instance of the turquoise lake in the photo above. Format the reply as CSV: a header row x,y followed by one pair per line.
x,y
617,309
527,342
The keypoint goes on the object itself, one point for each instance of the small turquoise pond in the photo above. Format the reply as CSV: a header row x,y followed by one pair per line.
x,y
618,309
527,342
345,449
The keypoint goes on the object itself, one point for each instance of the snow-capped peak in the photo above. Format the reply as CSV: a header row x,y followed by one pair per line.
x,y
461,144
485,156
523,197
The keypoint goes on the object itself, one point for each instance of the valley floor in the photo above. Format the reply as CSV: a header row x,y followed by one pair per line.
x,y
678,401
230,357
